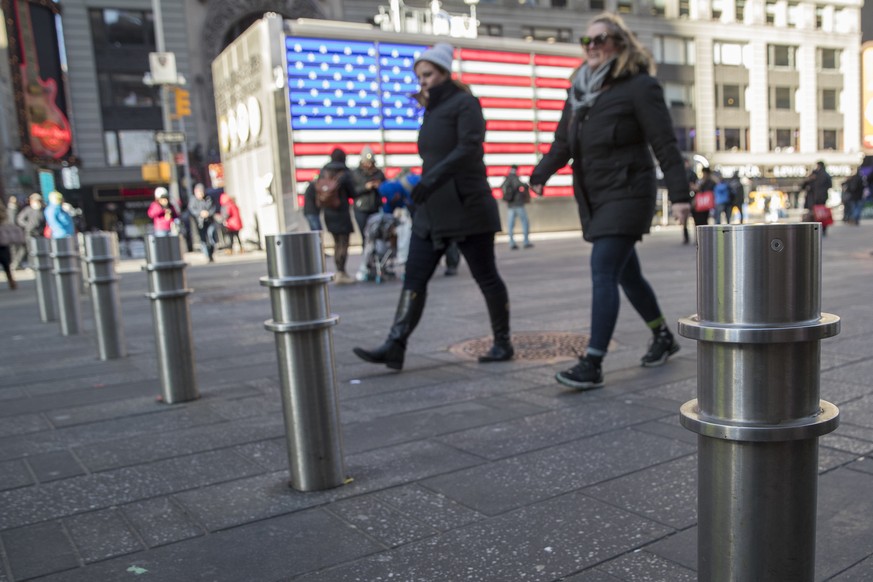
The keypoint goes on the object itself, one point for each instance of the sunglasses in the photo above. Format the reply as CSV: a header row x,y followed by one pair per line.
x,y
598,41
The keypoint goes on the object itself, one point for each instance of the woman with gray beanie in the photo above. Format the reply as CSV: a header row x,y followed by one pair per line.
x,y
453,203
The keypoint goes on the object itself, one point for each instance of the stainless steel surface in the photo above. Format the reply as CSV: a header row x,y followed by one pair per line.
x,y
172,318
39,250
304,345
68,283
758,413
101,255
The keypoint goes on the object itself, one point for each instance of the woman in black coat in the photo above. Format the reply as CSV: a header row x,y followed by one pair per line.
x,y
453,203
614,113
337,221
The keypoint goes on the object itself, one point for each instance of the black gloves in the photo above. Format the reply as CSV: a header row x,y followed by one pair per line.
x,y
419,194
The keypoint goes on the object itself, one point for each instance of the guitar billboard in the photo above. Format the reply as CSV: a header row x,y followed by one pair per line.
x,y
39,81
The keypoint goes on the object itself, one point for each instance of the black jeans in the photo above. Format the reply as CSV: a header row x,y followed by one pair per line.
x,y
614,263
478,249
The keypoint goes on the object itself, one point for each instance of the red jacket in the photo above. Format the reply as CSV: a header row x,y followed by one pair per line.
x,y
232,218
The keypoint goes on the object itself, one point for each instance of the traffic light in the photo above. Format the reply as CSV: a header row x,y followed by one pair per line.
x,y
183,102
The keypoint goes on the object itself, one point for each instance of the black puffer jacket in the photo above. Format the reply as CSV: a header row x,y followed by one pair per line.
x,y
613,172
453,170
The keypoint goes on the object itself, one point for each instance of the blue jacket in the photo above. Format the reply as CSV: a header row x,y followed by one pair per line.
x,y
59,221
722,193
394,195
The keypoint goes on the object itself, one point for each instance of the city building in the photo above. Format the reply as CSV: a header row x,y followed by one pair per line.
x,y
762,88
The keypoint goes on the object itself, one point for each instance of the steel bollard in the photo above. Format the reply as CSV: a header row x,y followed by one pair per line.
x,y
304,346
172,318
41,264
101,253
68,282
758,415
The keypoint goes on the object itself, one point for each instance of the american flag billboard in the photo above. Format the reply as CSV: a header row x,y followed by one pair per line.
x,y
352,94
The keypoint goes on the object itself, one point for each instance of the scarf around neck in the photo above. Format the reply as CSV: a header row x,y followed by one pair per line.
x,y
588,84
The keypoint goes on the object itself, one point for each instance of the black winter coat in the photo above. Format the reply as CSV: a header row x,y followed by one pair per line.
x,y
453,169
337,221
614,178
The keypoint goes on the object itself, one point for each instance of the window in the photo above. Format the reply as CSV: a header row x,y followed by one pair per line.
x,y
673,50
730,53
546,33
678,95
491,29
122,28
781,98
685,138
625,7
126,90
829,100
830,139
781,56
684,8
794,15
829,59
770,11
130,148
730,96
659,7
783,140
819,17
559,3
741,10
717,9
598,5
731,139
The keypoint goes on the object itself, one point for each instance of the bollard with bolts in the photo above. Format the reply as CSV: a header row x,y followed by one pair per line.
x,y
172,318
101,253
41,264
758,415
304,346
68,282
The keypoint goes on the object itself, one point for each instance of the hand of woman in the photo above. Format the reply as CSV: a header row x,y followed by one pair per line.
x,y
419,194
537,189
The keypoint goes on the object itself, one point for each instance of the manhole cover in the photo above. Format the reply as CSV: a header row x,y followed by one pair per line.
x,y
546,346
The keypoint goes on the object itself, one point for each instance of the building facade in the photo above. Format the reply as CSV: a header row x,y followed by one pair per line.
x,y
763,88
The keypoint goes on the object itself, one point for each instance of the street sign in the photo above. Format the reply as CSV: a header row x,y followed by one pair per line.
x,y
170,136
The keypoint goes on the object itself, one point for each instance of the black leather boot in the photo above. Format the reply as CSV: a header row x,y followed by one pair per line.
x,y
391,353
498,311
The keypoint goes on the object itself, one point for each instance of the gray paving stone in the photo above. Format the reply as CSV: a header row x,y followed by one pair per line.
x,y
360,409
641,566
255,405
14,474
524,479
159,521
101,490
670,428
271,454
437,511
23,424
380,521
679,548
542,542
502,439
829,459
99,535
301,542
431,422
103,411
37,550
162,445
665,493
55,465
246,500
862,571
858,412
164,420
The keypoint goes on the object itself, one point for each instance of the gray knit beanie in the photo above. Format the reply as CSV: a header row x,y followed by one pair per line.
x,y
440,54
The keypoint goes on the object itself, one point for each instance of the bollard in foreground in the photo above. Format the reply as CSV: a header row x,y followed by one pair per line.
x,y
68,282
101,253
757,412
304,346
172,318
41,263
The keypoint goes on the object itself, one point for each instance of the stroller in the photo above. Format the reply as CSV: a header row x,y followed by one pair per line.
x,y
380,248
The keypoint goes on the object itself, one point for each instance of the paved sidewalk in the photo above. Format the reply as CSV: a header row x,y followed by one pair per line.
x,y
460,471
